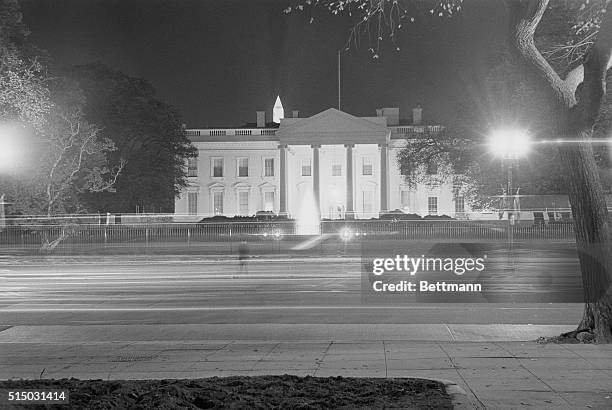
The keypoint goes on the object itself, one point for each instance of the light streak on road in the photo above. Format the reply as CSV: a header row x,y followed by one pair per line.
x,y
274,290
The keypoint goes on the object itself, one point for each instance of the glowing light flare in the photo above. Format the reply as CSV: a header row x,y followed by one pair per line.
x,y
346,234
509,143
12,150
309,220
598,141
274,234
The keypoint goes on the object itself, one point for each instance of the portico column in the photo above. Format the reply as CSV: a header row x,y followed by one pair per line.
x,y
383,178
350,211
315,177
283,180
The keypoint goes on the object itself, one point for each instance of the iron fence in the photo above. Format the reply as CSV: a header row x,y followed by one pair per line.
x,y
180,234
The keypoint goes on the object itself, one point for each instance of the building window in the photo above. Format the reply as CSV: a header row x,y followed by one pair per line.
x,y
404,199
192,203
243,202
432,205
368,203
218,202
459,205
432,168
366,166
306,168
243,167
269,167
192,167
269,201
336,170
456,188
217,167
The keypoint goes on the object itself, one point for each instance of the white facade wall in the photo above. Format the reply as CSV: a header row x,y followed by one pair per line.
x,y
331,130
332,187
231,184
332,192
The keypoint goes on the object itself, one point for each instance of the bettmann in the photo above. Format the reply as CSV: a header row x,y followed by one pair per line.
x,y
424,286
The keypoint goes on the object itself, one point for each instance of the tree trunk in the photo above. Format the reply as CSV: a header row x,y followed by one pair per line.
x,y
575,103
592,231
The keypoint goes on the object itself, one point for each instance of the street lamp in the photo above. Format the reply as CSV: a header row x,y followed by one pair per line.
x,y
12,141
510,144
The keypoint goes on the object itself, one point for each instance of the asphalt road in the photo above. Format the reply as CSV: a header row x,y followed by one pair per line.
x,y
186,289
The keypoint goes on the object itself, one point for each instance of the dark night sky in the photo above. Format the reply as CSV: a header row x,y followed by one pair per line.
x,y
220,61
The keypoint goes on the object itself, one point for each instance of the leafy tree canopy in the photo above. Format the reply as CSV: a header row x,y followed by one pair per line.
x,y
148,134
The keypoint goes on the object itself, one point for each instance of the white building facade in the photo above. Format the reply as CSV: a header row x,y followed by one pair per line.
x,y
346,166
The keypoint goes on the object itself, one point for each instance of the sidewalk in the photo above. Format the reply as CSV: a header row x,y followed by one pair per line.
x,y
496,374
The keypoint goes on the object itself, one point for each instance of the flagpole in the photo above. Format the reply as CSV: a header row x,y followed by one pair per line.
x,y
339,80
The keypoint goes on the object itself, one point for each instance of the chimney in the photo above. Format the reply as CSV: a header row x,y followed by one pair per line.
x,y
417,115
379,112
261,119
296,114
392,115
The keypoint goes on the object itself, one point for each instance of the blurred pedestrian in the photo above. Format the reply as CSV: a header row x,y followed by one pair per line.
x,y
243,256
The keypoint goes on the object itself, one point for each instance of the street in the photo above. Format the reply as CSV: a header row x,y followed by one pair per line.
x,y
188,289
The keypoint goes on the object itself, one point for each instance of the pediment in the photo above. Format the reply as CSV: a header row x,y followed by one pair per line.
x,y
266,185
192,188
241,185
332,127
216,186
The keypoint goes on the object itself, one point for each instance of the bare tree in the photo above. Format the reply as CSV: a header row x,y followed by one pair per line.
x,y
74,161
71,150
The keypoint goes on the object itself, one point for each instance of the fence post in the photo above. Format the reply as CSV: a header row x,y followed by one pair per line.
x,y
188,236
147,236
230,238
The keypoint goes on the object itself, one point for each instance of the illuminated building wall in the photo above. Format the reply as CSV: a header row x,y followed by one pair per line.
x,y
347,162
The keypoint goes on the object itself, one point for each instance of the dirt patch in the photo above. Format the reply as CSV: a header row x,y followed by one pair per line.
x,y
241,392
573,337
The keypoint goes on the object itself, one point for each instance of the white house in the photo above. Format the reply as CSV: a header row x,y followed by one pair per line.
x,y
345,165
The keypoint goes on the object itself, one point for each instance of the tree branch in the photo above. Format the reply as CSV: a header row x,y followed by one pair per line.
x,y
591,93
113,178
525,15
51,198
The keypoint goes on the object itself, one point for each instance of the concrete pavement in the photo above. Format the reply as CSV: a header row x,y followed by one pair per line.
x,y
495,375
288,332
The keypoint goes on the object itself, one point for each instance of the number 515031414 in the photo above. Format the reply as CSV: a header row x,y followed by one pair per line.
x,y
35,396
